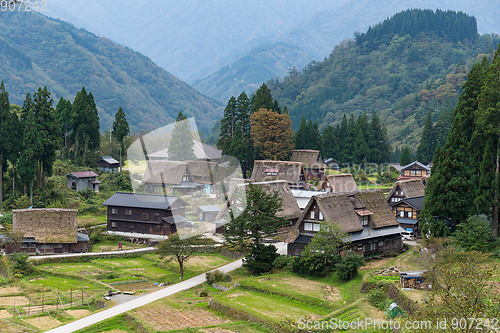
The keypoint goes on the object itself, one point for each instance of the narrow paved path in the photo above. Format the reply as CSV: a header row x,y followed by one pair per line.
x,y
140,301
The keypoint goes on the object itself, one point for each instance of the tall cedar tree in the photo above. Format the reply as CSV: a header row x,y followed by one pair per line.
x,y
258,218
6,134
85,128
180,147
63,116
242,146
32,149
120,130
488,120
263,99
378,141
329,142
405,156
300,137
48,130
272,134
427,146
16,142
315,136
449,193
349,140
227,127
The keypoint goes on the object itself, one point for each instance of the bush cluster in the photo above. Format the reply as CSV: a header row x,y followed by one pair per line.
x,y
217,276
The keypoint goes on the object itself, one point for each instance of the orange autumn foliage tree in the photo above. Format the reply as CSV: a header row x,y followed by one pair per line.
x,y
272,134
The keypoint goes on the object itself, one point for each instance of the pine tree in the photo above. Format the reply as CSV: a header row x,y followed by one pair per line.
x,y
330,142
378,143
315,136
427,144
245,153
63,117
405,156
262,99
120,130
85,135
227,127
6,134
180,147
31,149
449,193
361,150
349,140
48,131
301,136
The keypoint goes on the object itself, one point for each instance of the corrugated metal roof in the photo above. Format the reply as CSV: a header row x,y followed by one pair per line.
x,y
80,237
83,174
210,208
369,233
108,159
407,221
140,200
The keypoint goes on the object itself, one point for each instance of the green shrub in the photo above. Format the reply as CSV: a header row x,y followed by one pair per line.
x,y
348,266
260,259
204,293
96,236
314,264
283,261
217,276
20,263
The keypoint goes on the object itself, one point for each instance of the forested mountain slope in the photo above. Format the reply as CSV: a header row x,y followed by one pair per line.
x,y
37,51
400,68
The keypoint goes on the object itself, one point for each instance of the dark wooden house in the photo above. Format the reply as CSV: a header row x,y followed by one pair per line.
x,y
108,164
414,170
144,215
343,182
364,215
405,189
332,163
313,164
167,176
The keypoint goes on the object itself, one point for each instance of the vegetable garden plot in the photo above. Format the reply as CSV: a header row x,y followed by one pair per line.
x,y
172,319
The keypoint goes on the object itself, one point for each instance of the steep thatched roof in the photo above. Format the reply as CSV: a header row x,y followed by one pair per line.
x,y
203,172
164,172
345,208
290,207
285,170
310,158
343,182
411,188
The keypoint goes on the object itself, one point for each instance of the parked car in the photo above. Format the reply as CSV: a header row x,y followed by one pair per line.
x,y
407,235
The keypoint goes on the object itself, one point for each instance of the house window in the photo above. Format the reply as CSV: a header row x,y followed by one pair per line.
x,y
381,244
360,247
114,224
145,217
131,225
114,210
128,211
412,172
157,214
364,220
312,215
308,226
419,172
185,178
320,215
372,246
409,214
402,214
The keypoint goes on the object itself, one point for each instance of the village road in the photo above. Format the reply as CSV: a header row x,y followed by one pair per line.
x,y
148,298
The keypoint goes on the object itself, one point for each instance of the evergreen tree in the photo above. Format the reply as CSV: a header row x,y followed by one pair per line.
x,y
32,148
361,150
262,99
63,117
245,153
449,193
427,144
378,141
120,130
48,130
6,134
180,147
405,156
227,127
488,120
315,136
349,140
301,136
330,142
442,127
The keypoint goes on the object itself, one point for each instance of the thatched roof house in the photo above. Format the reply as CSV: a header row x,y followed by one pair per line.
x,y
290,208
312,161
292,172
343,182
364,215
164,172
406,189
53,230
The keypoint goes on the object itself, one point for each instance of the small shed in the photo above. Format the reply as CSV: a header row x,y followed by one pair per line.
x,y
411,279
108,164
332,163
208,213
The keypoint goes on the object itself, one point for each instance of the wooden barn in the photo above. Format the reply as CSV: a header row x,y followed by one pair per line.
x,y
83,180
343,182
49,230
313,164
108,164
292,172
364,215
145,215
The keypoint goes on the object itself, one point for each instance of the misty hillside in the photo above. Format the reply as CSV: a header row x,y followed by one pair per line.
x,y
416,61
37,51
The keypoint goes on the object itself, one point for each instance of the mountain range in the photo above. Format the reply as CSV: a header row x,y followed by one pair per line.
x,y
38,51
216,46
